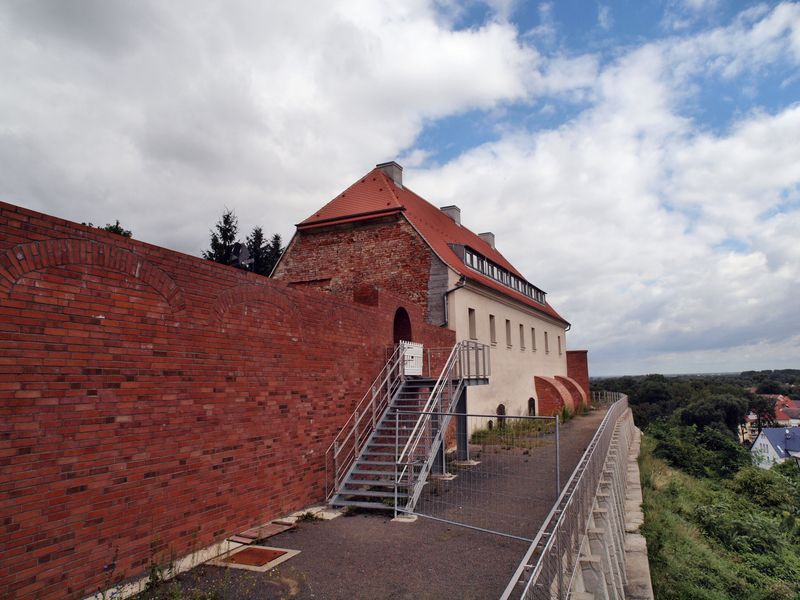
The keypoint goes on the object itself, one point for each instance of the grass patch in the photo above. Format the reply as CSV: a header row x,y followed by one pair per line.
x,y
515,432
707,539
307,517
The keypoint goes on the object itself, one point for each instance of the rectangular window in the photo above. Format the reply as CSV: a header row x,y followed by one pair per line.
x,y
508,333
521,336
492,330
533,339
473,333
546,344
559,345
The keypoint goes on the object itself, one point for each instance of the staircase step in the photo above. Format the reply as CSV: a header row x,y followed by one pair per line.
x,y
359,504
373,472
381,483
371,493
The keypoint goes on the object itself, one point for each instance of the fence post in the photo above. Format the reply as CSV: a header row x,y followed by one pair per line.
x,y
336,464
396,456
558,495
462,439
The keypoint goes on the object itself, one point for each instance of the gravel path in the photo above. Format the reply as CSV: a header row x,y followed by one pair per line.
x,y
366,556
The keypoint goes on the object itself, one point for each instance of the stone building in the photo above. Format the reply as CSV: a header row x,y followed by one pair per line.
x,y
378,234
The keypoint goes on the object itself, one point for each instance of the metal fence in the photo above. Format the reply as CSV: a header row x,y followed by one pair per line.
x,y
500,475
545,571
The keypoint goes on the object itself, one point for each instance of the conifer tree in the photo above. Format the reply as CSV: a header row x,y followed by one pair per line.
x,y
274,251
223,237
258,251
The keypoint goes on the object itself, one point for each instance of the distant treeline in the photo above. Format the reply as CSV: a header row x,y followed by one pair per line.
x,y
653,397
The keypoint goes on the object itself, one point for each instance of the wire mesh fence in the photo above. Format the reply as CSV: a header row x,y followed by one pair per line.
x,y
550,561
499,474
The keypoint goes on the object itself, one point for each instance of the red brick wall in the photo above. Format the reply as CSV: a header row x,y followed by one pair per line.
x,y
578,369
154,403
389,254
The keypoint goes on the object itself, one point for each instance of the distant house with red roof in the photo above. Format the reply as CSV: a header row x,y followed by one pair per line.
x,y
787,411
378,234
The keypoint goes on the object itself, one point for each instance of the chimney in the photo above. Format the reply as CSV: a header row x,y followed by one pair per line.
x,y
393,171
488,237
453,212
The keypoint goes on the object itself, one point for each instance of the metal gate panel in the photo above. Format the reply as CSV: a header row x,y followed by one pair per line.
x,y
412,358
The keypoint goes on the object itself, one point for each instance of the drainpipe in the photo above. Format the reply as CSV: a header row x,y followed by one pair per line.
x,y
459,284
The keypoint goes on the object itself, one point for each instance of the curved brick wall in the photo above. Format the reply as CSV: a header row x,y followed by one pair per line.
x,y
552,395
578,395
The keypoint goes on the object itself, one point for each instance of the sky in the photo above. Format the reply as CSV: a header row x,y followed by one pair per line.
x,y
637,160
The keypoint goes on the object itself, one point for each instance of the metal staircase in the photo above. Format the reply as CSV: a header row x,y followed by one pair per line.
x,y
384,453
370,483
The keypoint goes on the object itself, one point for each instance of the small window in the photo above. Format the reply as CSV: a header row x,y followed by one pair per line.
x,y
501,414
508,333
533,339
531,407
546,344
521,336
492,330
559,345
473,333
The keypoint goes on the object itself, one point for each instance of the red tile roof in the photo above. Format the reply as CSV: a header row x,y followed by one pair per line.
x,y
786,408
376,195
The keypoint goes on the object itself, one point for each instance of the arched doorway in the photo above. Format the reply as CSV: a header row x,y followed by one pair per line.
x,y
501,416
402,326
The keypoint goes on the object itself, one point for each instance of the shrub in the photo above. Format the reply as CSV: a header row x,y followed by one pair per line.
x,y
767,488
704,453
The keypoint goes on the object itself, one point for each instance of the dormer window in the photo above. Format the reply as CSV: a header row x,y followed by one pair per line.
x,y
483,265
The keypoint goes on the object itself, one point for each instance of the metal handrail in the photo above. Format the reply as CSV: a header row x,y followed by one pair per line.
x,y
347,444
457,368
544,543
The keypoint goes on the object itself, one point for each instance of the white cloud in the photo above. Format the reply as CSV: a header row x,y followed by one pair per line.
x,y
192,106
546,31
656,240
604,18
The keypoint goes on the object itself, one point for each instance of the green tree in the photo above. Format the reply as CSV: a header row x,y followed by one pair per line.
x,y
770,386
264,254
764,410
223,237
274,251
258,251
721,410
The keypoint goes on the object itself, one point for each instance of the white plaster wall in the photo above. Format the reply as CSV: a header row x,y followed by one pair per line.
x,y
513,367
764,453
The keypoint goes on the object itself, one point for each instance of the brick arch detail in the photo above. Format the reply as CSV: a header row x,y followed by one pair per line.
x,y
250,292
552,395
35,256
578,395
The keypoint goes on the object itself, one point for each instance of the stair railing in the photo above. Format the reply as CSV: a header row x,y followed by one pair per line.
x,y
467,360
348,443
